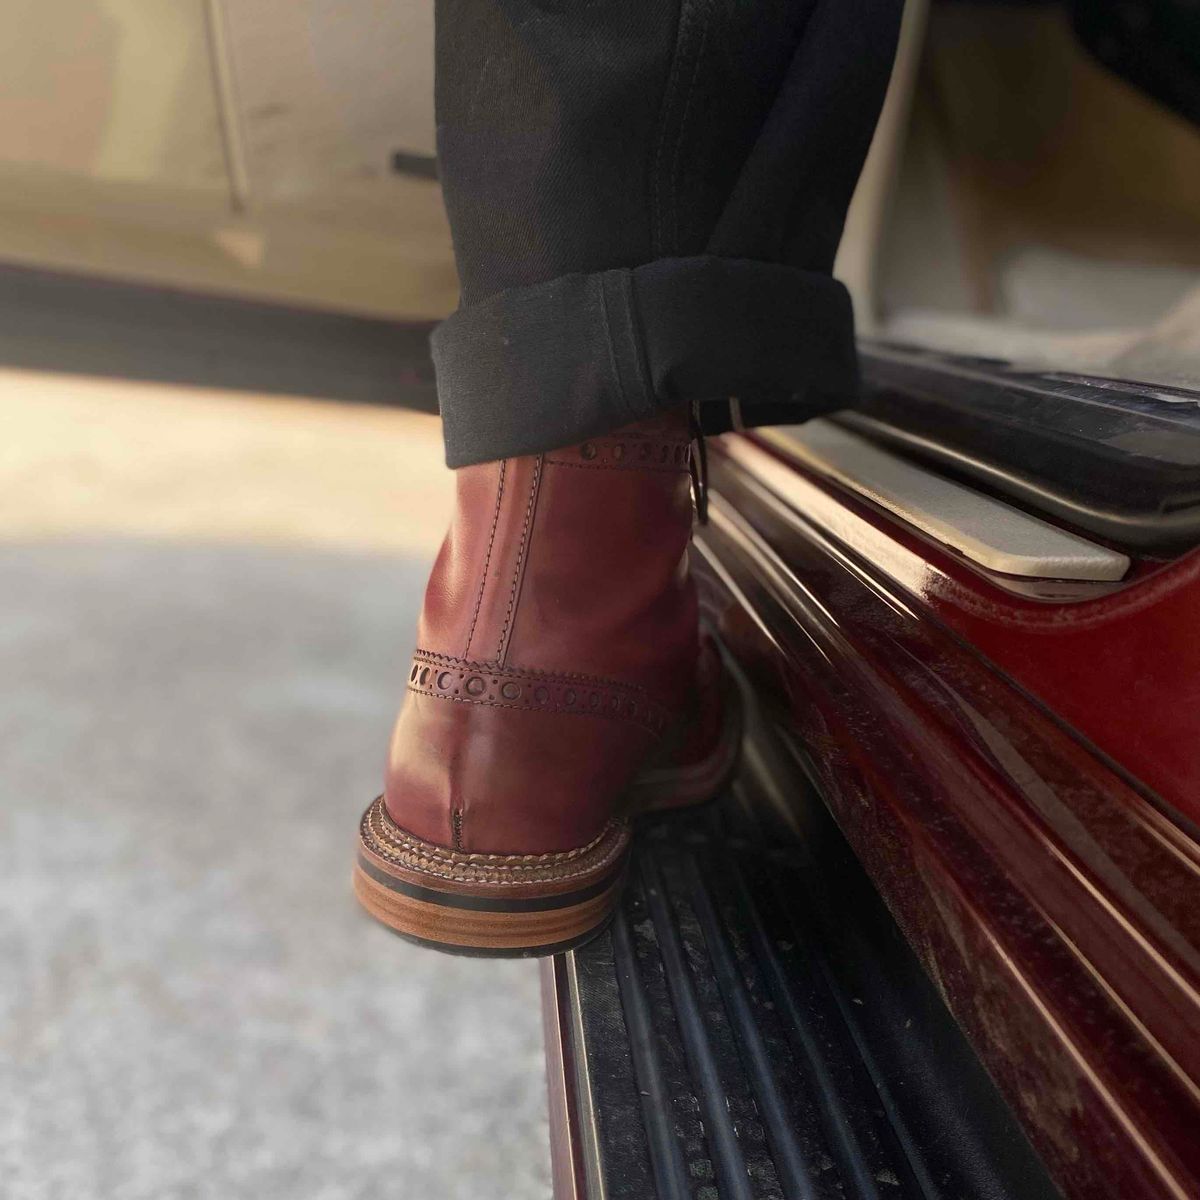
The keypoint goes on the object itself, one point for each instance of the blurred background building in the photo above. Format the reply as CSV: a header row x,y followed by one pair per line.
x,y
1035,178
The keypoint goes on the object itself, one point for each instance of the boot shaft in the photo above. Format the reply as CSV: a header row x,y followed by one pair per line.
x,y
556,648
572,561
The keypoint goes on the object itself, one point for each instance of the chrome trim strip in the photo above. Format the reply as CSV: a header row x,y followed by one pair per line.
x,y
588,1133
985,530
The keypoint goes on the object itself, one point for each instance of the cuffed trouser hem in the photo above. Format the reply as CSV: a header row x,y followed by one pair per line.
x,y
536,368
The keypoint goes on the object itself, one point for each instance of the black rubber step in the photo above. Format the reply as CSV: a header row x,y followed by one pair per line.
x,y
754,1026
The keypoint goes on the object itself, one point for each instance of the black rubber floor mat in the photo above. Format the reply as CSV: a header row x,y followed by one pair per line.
x,y
754,1026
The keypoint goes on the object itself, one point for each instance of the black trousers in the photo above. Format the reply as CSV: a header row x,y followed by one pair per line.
x,y
646,197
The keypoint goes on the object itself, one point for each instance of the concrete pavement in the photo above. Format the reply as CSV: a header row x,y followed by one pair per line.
x,y
205,606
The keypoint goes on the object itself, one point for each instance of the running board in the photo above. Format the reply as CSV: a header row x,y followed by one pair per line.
x,y
753,1025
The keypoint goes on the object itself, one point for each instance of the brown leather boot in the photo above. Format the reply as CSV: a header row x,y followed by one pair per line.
x,y
558,686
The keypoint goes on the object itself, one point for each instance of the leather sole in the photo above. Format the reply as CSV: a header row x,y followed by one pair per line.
x,y
502,905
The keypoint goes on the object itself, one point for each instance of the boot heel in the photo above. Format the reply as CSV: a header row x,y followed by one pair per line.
x,y
488,905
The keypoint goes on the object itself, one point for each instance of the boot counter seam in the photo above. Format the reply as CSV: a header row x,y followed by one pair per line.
x,y
519,570
487,560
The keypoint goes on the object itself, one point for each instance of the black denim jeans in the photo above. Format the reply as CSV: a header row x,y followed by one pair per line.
x,y
646,197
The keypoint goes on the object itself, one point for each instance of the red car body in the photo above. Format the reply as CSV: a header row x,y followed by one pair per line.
x,y
1016,766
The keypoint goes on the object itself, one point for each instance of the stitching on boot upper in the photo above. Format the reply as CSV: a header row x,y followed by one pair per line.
x,y
517,572
442,678
487,558
630,453
531,672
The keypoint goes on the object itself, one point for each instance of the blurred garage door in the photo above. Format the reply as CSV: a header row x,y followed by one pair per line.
x,y
269,148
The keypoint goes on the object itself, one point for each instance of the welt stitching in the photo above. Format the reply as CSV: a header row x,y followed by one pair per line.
x,y
487,557
414,861
516,583
416,855
426,858
397,836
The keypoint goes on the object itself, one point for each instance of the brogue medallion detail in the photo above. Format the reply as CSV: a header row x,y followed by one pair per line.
x,y
453,679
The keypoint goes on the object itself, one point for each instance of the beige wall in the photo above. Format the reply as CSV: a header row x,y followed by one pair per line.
x,y
111,89
230,145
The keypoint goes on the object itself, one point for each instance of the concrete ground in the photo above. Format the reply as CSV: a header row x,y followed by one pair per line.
x,y
206,602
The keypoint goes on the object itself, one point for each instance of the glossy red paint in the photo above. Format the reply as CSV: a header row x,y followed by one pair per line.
x,y
1120,665
1054,902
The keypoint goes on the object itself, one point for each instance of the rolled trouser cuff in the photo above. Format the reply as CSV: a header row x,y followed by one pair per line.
x,y
532,369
